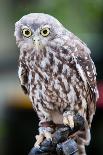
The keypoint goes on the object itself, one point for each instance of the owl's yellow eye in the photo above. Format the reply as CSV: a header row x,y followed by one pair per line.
x,y
26,32
45,32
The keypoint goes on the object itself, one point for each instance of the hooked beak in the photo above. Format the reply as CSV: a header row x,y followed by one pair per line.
x,y
37,43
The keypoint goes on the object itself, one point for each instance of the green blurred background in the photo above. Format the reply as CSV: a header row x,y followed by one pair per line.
x,y
18,122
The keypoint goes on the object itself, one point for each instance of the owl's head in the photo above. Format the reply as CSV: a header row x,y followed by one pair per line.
x,y
35,30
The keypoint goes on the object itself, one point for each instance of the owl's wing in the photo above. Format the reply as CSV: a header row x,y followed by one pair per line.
x,y
22,73
87,71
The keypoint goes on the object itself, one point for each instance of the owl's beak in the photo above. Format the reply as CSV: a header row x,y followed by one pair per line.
x,y
37,43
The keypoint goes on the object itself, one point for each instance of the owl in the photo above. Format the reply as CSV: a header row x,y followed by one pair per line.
x,y
57,73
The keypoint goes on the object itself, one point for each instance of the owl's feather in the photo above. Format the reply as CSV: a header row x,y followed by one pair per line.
x,y
23,76
86,69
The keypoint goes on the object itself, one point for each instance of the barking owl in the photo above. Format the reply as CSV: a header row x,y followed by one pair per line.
x,y
57,73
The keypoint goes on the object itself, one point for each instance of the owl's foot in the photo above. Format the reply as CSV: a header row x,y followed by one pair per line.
x,y
45,132
68,119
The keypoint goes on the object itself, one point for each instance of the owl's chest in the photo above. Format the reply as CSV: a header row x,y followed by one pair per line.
x,y
49,82
50,72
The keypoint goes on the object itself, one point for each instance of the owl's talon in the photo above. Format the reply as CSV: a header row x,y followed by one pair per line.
x,y
68,121
39,140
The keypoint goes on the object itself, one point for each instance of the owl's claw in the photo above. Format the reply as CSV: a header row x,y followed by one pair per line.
x,y
40,138
68,120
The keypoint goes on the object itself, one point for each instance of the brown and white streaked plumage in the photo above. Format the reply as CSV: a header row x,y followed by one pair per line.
x,y
57,72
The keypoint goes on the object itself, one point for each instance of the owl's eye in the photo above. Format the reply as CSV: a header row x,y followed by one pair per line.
x,y
26,32
45,32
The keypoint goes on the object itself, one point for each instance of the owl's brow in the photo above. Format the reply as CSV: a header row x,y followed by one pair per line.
x,y
46,25
33,26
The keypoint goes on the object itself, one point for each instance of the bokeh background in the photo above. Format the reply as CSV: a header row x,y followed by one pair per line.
x,y
18,122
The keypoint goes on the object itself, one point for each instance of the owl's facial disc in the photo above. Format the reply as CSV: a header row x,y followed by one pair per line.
x,y
36,36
